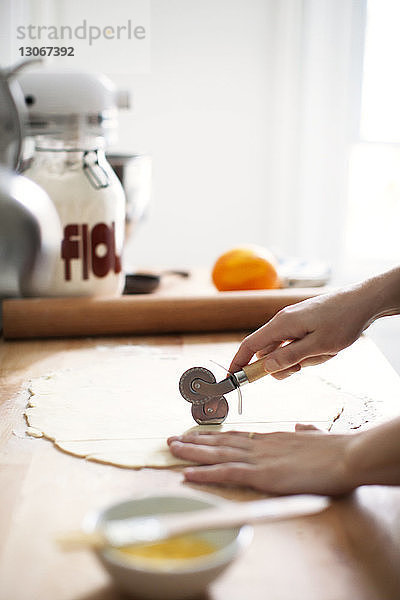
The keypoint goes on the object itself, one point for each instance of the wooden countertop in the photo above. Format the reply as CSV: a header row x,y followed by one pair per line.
x,y
350,552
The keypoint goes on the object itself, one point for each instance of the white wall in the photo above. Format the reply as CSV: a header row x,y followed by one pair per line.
x,y
248,114
203,113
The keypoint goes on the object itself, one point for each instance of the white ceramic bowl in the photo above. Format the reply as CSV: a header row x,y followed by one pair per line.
x,y
183,581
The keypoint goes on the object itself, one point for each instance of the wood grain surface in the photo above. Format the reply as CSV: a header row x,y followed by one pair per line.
x,y
66,317
351,552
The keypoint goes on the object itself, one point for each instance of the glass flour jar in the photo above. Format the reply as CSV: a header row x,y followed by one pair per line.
x,y
91,205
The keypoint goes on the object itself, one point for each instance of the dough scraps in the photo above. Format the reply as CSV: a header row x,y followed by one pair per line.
x,y
121,408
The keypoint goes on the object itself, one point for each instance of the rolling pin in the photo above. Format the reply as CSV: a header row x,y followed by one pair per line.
x,y
71,317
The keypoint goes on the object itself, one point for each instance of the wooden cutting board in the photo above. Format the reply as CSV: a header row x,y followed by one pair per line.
x,y
144,314
178,306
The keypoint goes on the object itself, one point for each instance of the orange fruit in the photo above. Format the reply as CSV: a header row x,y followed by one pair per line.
x,y
246,268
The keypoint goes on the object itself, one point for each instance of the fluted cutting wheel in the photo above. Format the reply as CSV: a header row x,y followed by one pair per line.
x,y
186,380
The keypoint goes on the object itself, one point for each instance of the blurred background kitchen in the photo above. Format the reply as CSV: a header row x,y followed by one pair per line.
x,y
273,122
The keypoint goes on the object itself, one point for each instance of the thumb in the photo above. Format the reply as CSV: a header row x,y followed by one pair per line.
x,y
304,427
289,355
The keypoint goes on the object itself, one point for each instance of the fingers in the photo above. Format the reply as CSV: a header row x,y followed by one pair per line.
x,y
265,351
307,362
282,327
304,427
213,448
317,360
206,455
292,354
246,351
282,360
286,372
228,473
267,338
232,439
309,428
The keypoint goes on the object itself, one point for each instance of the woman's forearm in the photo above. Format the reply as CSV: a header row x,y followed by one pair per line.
x,y
382,294
373,456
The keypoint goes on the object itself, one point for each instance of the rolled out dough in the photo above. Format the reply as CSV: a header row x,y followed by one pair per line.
x,y
121,408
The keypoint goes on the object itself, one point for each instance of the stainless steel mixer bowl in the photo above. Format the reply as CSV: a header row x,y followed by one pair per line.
x,y
30,234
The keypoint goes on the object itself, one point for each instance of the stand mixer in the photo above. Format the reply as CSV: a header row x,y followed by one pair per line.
x,y
63,236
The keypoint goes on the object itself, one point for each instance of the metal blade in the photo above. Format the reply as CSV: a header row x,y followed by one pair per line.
x,y
213,412
208,408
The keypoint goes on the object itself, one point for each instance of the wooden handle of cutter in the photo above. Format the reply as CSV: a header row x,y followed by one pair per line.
x,y
255,370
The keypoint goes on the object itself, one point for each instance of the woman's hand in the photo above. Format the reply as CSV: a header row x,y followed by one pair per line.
x,y
308,333
305,461
315,330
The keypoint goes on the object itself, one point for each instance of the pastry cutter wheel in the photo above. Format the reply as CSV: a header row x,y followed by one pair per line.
x,y
209,406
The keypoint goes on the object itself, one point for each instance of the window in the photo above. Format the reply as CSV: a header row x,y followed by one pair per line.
x,y
373,223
